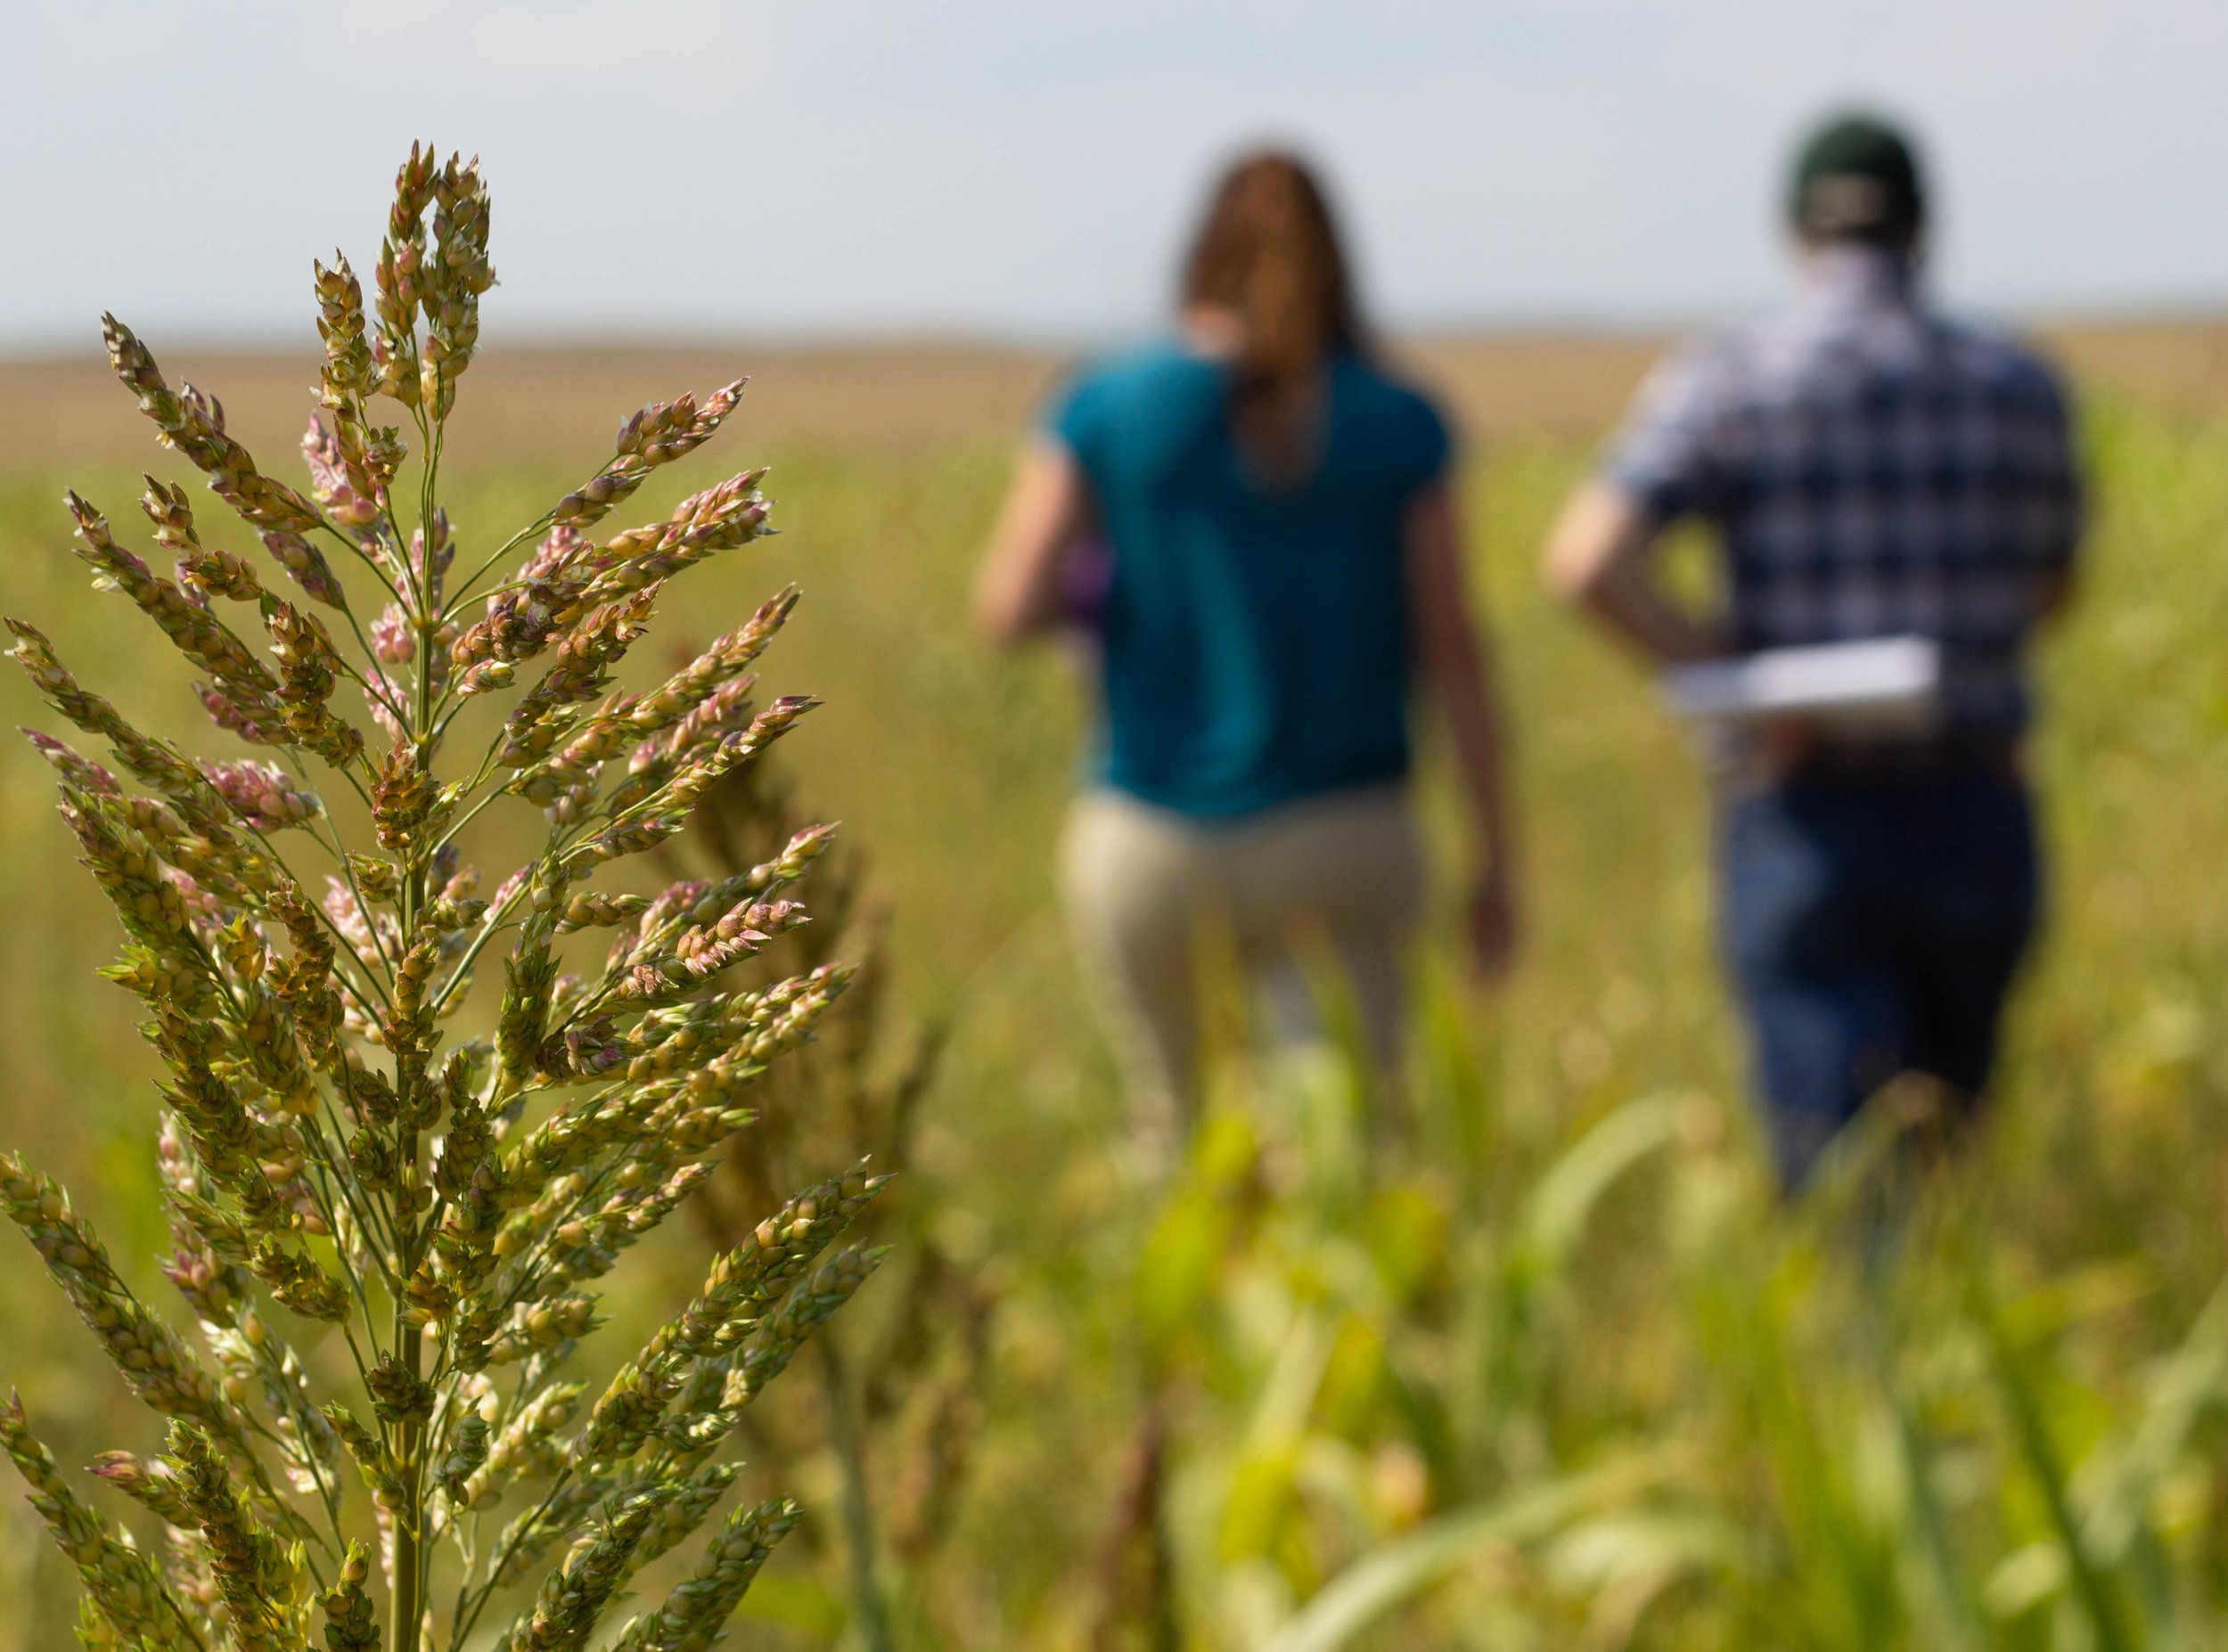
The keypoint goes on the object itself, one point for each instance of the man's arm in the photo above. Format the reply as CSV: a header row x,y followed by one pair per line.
x,y
1453,660
1018,588
1600,557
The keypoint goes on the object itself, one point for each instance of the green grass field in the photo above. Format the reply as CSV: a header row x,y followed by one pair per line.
x,y
1556,1375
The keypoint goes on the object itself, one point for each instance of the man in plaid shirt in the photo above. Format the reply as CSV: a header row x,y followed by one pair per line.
x,y
1873,470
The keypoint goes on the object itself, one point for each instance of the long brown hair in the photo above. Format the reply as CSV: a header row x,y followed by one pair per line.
x,y
1268,253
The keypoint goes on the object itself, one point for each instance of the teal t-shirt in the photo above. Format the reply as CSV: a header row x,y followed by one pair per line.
x,y
1256,641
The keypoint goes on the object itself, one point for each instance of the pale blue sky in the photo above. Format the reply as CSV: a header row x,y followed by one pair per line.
x,y
1027,168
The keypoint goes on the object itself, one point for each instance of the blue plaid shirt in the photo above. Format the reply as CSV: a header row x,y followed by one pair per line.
x,y
1874,471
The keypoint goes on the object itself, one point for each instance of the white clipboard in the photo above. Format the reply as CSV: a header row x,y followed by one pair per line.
x,y
1883,685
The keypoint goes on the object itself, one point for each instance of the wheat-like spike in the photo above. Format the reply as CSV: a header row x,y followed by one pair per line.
x,y
742,1283
573,1597
809,1306
132,1599
526,1451
694,1615
349,1624
154,1362
256,1577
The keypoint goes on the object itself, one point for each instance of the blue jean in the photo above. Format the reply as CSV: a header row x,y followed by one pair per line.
x,y
1873,929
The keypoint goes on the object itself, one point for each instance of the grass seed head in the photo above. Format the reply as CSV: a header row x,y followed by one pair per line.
x,y
323,1149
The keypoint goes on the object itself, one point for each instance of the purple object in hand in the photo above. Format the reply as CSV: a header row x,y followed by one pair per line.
x,y
1085,584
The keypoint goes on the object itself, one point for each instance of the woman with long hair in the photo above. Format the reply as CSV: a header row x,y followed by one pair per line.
x,y
1284,569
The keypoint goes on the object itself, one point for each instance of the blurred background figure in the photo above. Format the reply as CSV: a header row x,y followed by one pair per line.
x,y
1282,568
1873,470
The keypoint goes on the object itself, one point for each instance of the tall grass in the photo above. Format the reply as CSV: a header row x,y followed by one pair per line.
x,y
1557,1373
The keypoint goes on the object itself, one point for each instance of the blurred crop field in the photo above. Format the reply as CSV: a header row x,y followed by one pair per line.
x,y
1547,1370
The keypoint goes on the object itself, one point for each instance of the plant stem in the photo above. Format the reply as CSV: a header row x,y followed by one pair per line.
x,y
410,1556
858,1520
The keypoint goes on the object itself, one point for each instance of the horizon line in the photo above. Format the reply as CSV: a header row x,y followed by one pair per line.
x,y
564,336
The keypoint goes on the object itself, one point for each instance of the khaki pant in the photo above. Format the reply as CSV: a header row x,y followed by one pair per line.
x,y
1149,893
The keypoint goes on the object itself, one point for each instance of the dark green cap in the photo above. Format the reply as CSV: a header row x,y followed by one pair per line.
x,y
1856,179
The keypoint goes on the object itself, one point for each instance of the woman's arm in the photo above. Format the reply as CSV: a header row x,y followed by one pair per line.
x,y
1453,660
1019,589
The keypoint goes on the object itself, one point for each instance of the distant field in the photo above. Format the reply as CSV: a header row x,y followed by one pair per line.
x,y
528,404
